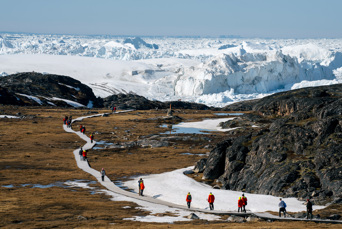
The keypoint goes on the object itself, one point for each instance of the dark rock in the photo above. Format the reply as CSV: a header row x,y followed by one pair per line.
x,y
193,216
200,165
334,217
297,153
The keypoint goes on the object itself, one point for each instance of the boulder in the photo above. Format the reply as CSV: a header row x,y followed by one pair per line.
x,y
192,216
235,219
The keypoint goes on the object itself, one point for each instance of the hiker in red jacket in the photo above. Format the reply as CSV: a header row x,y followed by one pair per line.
x,y
240,203
81,127
142,187
83,130
84,154
211,199
91,138
188,199
244,202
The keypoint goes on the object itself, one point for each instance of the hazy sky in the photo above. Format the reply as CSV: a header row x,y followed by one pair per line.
x,y
248,18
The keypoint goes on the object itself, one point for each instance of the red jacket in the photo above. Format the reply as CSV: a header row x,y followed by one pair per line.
x,y
91,137
142,186
244,200
240,203
188,198
211,198
84,154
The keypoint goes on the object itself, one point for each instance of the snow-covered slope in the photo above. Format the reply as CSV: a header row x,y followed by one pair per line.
x,y
207,70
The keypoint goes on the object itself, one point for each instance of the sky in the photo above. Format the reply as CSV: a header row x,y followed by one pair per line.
x,y
247,18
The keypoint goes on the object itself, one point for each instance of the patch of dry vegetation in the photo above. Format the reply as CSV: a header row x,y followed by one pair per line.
x,y
36,150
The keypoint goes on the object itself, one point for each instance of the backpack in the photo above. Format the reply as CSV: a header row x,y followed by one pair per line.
x,y
285,205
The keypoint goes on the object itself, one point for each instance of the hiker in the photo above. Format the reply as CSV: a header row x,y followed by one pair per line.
x,y
83,130
282,207
81,127
103,173
244,202
81,153
84,154
240,203
64,120
68,123
91,138
211,199
308,209
113,109
142,187
188,199
139,181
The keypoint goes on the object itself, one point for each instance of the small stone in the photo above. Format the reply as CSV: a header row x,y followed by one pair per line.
x,y
193,216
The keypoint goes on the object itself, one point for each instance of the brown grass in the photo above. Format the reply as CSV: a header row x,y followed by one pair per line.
x,y
36,150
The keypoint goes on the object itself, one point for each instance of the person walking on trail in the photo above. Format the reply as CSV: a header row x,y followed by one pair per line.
x,y
139,181
81,127
142,187
83,130
188,199
244,202
240,204
103,173
91,138
211,199
80,152
282,207
308,209
65,119
113,109
84,154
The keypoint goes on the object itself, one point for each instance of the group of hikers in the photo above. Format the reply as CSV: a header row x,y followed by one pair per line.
x,y
67,121
282,208
242,201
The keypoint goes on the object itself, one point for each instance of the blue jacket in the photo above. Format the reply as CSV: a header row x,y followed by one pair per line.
x,y
282,204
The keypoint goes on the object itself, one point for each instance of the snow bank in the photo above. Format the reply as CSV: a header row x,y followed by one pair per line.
x,y
174,186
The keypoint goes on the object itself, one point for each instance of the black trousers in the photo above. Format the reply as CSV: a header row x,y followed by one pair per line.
x,y
188,204
211,206
282,210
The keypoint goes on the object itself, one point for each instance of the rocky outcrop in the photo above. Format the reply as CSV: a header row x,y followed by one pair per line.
x,y
46,89
137,102
296,151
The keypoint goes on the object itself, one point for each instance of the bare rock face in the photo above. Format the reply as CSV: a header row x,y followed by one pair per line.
x,y
296,152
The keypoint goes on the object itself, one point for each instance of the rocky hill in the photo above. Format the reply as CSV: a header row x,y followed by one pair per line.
x,y
295,150
32,88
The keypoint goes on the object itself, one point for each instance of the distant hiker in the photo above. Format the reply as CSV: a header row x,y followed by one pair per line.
x,y
65,119
308,209
282,207
91,138
103,173
139,181
84,154
240,204
69,123
113,109
83,130
142,187
81,127
81,153
244,202
188,199
211,199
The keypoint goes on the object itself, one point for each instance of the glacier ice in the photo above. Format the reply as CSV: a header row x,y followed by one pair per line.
x,y
214,71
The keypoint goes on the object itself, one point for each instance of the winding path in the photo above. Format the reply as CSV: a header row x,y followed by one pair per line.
x,y
112,187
